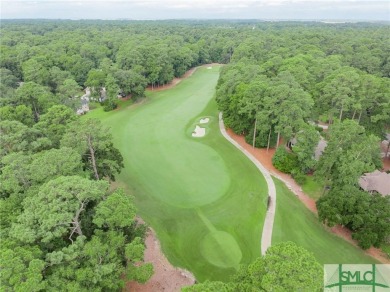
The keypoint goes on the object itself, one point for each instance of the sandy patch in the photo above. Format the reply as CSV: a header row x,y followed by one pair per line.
x,y
198,132
204,121
166,277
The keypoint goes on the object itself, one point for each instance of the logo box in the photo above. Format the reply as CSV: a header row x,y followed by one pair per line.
x,y
348,278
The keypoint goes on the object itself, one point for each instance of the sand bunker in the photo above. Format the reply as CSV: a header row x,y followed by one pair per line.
x,y
204,121
198,132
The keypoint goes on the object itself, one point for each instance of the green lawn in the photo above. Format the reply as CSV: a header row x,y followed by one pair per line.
x,y
294,222
204,198
312,188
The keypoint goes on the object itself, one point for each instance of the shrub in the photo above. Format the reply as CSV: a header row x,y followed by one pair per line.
x,y
93,105
323,118
109,104
284,160
298,176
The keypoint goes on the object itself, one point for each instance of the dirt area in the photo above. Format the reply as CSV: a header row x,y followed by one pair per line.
x,y
386,164
166,277
265,159
385,160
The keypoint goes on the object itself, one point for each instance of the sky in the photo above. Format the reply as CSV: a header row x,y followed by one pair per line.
x,y
197,9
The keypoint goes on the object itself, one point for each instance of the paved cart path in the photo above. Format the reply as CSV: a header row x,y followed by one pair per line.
x,y
270,216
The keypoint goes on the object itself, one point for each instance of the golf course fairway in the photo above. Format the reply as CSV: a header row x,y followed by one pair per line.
x,y
205,199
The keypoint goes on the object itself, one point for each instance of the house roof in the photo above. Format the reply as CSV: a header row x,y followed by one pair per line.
x,y
376,181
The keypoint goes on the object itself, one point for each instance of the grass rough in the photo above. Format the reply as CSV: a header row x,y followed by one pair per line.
x,y
294,222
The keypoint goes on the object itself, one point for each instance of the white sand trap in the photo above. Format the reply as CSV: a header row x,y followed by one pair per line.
x,y
198,132
209,67
204,121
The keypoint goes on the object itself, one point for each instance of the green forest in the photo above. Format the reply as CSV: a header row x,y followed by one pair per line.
x,y
64,224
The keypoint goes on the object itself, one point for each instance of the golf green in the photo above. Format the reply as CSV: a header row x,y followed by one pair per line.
x,y
205,199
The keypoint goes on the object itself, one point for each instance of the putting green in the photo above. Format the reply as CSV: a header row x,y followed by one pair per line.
x,y
229,256
205,199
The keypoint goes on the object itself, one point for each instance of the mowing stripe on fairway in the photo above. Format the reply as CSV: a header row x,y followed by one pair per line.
x,y
219,247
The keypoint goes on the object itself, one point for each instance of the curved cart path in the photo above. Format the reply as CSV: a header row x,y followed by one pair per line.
x,y
265,157
269,218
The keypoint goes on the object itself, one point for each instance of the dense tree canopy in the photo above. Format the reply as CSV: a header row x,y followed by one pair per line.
x,y
365,214
60,230
63,229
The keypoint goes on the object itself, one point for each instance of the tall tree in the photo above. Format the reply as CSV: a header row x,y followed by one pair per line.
x,y
365,214
131,82
285,267
112,90
292,104
341,91
36,96
20,113
69,89
22,268
55,122
307,141
17,137
95,80
34,71
348,154
252,104
75,254
112,87
57,78
94,142
56,211
8,85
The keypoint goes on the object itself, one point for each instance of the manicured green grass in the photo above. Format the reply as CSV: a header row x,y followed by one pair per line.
x,y
228,256
294,222
312,188
204,198
98,112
